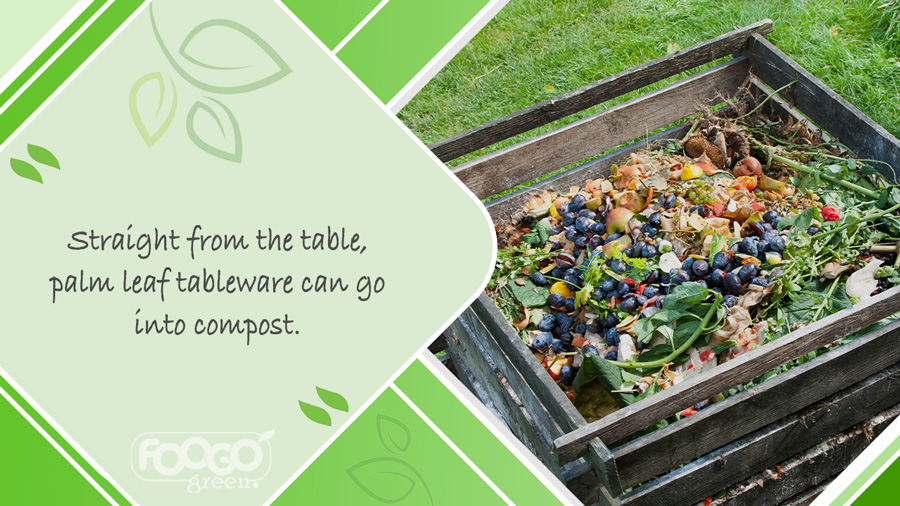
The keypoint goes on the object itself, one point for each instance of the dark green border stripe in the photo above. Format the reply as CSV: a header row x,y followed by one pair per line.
x,y
63,67
50,50
473,438
61,441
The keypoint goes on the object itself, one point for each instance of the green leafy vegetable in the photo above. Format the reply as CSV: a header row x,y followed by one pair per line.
x,y
528,293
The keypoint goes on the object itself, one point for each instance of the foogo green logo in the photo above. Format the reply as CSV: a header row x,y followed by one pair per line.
x,y
204,461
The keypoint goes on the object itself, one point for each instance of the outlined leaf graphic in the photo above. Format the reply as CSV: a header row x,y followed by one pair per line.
x,y
334,400
226,134
152,117
43,155
315,413
249,63
265,436
394,435
388,480
25,170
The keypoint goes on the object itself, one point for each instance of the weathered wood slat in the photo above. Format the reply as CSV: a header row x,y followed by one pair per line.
x,y
679,443
730,374
773,443
597,92
582,139
825,107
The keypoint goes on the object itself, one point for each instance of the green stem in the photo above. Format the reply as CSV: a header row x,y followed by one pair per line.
x,y
764,101
631,364
809,170
815,317
864,219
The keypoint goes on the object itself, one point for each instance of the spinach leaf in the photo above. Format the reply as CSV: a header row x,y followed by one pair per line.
x,y
529,294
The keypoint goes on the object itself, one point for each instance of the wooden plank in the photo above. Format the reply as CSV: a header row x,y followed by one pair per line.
x,y
806,498
597,92
773,443
825,107
801,475
504,207
582,139
683,441
737,371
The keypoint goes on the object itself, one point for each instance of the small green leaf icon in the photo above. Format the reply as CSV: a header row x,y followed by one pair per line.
x,y
25,170
266,436
214,129
388,480
42,155
315,413
333,400
394,435
149,117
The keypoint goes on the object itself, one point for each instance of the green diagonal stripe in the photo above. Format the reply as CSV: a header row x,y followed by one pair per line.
x,y
63,67
882,490
44,57
871,470
328,20
473,438
34,472
97,477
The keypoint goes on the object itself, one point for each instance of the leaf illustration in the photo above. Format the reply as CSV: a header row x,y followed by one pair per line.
x,y
43,155
265,436
394,435
387,479
216,137
334,400
315,413
25,170
223,56
151,117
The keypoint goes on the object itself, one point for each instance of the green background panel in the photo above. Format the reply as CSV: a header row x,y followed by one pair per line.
x,y
402,38
331,21
393,451
23,24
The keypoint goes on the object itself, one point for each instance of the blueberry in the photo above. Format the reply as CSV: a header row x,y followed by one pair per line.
x,y
548,321
635,252
749,246
570,305
770,217
566,375
813,230
612,356
608,284
628,252
618,266
558,346
594,326
629,305
688,263
577,203
716,277
748,272
651,291
755,228
595,242
555,245
775,273
556,300
579,329
660,301
612,237
769,235
582,225
656,220
556,230
612,337
542,341
649,251
729,300
702,404
667,200
589,349
539,279
759,280
732,283
598,294
587,213
652,277
702,283
598,228
700,268
571,234
565,260
721,260
623,289
569,219
557,272
649,230
763,246
641,299
563,209
563,322
581,241
777,244
681,276
703,211
612,320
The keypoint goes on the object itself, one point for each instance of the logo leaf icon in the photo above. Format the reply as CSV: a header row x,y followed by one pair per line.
x,y
265,436
394,435
251,62
315,413
221,137
143,122
25,170
388,480
42,155
334,400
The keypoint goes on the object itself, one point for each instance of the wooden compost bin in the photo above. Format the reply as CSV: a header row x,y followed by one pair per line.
x,y
844,397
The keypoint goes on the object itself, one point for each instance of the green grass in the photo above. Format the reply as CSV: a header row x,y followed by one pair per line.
x,y
537,49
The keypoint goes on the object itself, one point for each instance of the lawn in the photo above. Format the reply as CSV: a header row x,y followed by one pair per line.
x,y
536,49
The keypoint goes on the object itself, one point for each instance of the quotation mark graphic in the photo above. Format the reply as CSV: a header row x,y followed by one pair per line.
x,y
218,56
389,479
39,155
331,399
